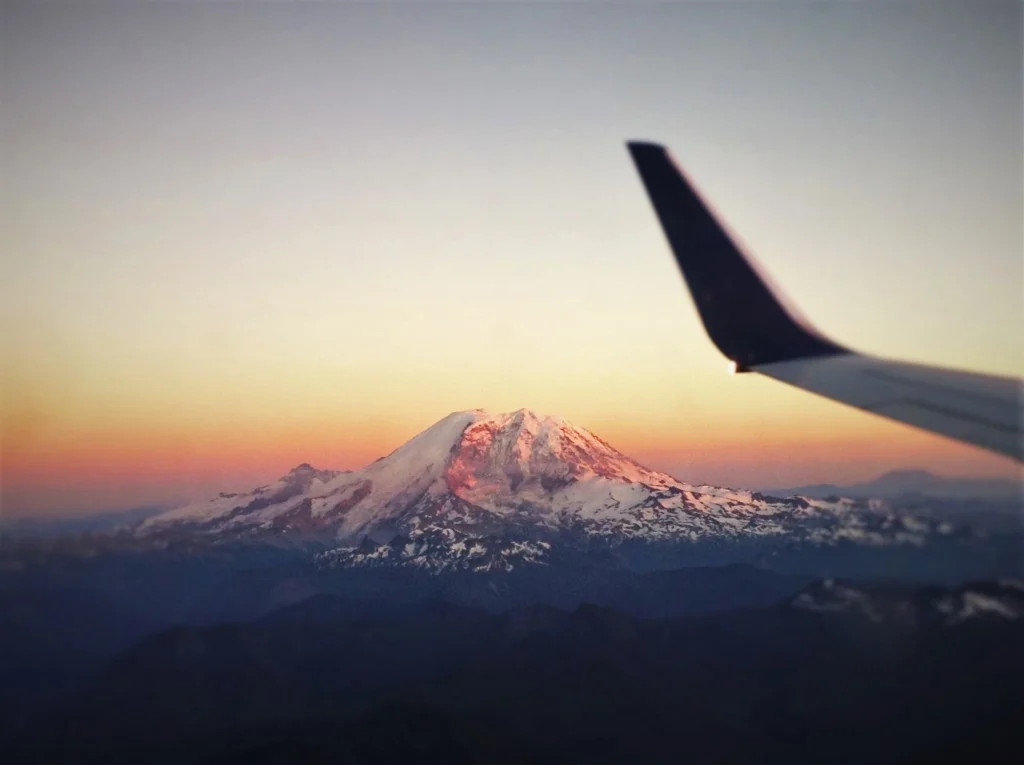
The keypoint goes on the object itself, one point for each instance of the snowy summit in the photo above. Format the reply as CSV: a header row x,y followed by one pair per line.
x,y
484,490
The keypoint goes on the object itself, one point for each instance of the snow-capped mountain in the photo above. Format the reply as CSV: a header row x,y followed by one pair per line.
x,y
484,491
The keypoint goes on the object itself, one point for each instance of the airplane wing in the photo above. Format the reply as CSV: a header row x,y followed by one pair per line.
x,y
751,323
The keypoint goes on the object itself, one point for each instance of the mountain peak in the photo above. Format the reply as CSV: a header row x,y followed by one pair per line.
x,y
476,444
305,473
491,461
506,454
487,491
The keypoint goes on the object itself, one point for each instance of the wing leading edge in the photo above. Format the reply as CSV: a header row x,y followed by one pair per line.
x,y
751,323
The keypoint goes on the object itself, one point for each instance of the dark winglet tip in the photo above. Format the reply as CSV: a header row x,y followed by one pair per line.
x,y
745,317
645,146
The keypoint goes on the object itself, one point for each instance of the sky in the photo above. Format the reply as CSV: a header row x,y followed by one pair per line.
x,y
239,236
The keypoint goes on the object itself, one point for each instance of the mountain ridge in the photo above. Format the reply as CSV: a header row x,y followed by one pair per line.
x,y
912,482
839,661
483,491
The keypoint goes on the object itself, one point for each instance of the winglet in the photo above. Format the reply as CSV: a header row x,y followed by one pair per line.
x,y
744,316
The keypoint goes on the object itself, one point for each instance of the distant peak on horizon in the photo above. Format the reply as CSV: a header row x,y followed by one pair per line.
x,y
909,474
909,481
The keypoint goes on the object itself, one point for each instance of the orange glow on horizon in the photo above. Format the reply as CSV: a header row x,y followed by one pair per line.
x,y
212,272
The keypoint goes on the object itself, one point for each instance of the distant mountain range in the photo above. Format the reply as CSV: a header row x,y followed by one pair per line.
x,y
903,484
511,588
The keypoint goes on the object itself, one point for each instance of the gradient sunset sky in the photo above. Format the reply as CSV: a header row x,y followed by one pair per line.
x,y
240,236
